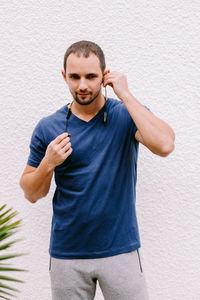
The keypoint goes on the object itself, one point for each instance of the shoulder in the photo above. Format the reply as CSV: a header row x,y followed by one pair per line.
x,y
49,127
117,108
58,115
115,105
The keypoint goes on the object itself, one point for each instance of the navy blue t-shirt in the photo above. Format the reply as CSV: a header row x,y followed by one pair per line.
x,y
94,213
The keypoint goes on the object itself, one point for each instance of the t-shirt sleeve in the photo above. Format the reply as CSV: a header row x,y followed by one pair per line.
x,y
37,147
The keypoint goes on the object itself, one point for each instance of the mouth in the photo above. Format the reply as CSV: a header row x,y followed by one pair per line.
x,y
83,94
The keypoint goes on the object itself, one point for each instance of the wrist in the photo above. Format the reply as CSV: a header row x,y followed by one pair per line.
x,y
48,165
126,95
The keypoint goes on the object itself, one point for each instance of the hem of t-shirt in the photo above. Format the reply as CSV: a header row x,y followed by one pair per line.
x,y
86,255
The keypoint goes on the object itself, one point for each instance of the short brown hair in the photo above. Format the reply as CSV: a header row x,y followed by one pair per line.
x,y
84,48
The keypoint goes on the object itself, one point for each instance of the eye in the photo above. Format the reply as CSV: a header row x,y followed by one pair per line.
x,y
74,76
90,76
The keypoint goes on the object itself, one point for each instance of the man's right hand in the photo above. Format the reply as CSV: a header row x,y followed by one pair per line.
x,y
58,150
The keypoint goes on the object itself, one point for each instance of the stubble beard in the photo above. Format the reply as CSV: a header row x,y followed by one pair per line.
x,y
86,102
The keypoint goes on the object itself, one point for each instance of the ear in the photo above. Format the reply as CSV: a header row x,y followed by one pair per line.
x,y
104,73
64,75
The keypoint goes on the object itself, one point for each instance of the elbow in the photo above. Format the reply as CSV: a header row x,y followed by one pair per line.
x,y
169,146
164,148
30,198
21,184
33,198
167,149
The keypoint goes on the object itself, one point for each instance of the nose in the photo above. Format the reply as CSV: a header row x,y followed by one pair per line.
x,y
82,84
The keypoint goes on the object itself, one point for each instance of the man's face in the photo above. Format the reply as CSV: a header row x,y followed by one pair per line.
x,y
84,78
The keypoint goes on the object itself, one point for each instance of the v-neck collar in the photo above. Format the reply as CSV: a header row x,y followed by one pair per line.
x,y
87,123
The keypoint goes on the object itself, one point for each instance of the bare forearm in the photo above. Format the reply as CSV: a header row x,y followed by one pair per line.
x,y
157,134
36,184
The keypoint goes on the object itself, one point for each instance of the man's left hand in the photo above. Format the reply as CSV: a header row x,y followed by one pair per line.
x,y
117,81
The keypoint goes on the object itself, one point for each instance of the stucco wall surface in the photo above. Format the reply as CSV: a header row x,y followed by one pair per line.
x,y
156,44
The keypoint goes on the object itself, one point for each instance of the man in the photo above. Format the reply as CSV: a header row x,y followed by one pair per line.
x,y
92,146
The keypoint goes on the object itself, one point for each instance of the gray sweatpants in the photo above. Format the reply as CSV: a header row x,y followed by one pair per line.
x,y
120,277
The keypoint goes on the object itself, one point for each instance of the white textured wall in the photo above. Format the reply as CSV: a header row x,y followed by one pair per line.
x,y
156,44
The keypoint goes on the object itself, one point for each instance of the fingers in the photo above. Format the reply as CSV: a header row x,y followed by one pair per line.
x,y
60,137
111,77
108,78
63,143
68,152
66,148
59,149
108,81
106,72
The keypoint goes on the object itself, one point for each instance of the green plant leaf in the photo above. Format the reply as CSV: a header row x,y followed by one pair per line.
x,y
6,234
8,218
4,292
5,212
8,228
3,257
6,246
2,297
12,269
8,287
2,207
2,277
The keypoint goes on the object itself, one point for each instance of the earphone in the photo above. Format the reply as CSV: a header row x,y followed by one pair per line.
x,y
105,111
